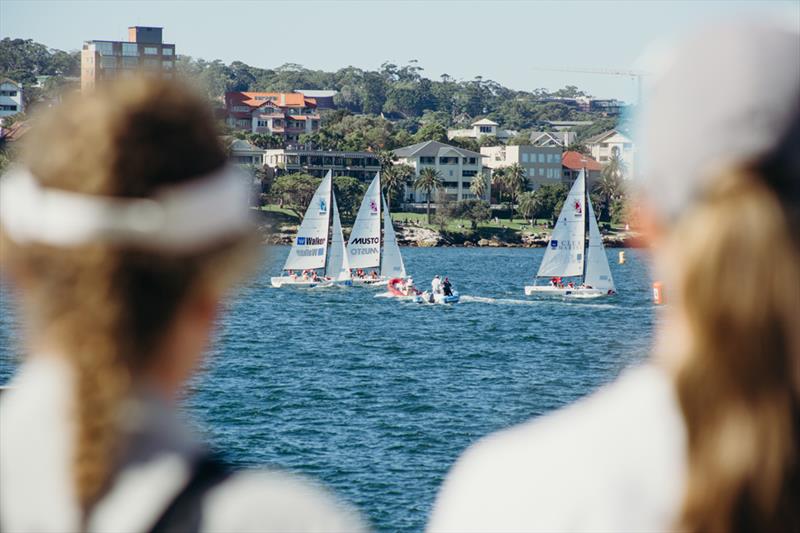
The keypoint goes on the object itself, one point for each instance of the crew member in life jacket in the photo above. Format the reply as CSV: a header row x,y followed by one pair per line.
x,y
447,287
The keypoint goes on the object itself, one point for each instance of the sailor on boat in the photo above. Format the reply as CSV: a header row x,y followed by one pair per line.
x,y
447,287
436,285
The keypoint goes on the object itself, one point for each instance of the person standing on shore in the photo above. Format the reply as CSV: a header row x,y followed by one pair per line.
x,y
122,234
705,437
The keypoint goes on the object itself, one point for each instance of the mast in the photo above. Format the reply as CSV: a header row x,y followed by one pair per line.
x,y
585,224
330,230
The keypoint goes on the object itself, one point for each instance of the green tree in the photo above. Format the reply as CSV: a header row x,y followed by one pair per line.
x,y
515,181
349,193
432,131
528,205
394,179
520,139
473,210
266,140
467,143
478,186
550,198
295,191
489,140
428,181
499,183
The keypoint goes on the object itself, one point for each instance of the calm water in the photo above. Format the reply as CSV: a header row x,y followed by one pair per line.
x,y
376,397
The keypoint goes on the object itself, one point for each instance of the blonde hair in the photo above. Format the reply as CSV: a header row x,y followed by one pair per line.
x,y
739,293
106,307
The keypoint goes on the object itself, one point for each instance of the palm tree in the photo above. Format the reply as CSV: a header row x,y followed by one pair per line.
x,y
429,180
528,205
515,182
499,183
478,186
394,179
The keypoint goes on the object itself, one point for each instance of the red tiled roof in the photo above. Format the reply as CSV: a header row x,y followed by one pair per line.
x,y
255,99
577,161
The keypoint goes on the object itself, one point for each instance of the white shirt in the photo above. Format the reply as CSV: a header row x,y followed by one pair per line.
x,y
436,285
36,485
613,462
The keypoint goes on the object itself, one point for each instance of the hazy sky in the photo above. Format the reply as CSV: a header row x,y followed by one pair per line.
x,y
505,41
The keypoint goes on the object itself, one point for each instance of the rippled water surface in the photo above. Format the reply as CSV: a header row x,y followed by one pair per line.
x,y
377,398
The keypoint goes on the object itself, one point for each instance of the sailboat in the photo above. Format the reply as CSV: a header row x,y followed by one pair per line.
x,y
378,263
310,251
575,250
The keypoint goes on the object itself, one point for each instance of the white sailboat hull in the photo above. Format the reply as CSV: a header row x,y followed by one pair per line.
x,y
572,292
289,281
370,282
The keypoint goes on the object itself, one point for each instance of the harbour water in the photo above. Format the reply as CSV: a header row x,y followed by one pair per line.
x,y
376,398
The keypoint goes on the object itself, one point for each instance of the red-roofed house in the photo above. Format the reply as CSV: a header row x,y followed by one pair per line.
x,y
573,162
286,115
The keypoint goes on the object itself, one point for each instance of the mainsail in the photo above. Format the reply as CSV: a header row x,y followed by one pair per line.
x,y
364,247
392,262
310,246
564,254
338,267
598,274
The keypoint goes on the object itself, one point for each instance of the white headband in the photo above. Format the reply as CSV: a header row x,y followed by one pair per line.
x,y
179,218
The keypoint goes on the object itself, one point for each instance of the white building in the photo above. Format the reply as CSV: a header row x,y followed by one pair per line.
x,y
245,153
482,127
542,164
603,146
457,168
11,101
561,139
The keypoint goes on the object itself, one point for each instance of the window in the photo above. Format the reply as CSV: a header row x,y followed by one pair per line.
x,y
150,51
448,160
262,123
130,49
167,51
104,49
541,171
525,158
469,173
451,184
473,160
108,62
541,158
485,129
130,62
427,160
8,108
166,64
8,93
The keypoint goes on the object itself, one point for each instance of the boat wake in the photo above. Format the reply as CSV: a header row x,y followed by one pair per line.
x,y
498,301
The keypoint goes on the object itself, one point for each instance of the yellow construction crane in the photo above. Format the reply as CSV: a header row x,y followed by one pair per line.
x,y
633,74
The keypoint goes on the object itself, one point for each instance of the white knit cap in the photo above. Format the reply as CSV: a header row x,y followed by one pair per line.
x,y
726,99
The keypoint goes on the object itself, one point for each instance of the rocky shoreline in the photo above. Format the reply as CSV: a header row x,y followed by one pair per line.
x,y
410,235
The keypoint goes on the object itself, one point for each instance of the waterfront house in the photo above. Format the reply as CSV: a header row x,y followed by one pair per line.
x,y
542,164
286,115
560,139
604,145
482,127
573,162
245,153
457,168
294,159
11,101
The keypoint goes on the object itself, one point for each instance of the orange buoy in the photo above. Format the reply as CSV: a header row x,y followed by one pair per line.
x,y
658,293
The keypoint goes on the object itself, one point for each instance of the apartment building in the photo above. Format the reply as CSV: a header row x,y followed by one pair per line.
x,y
482,127
542,164
11,101
144,51
457,168
287,115
359,165
605,145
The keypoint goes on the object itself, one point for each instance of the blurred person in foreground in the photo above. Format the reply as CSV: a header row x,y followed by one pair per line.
x,y
705,437
122,232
